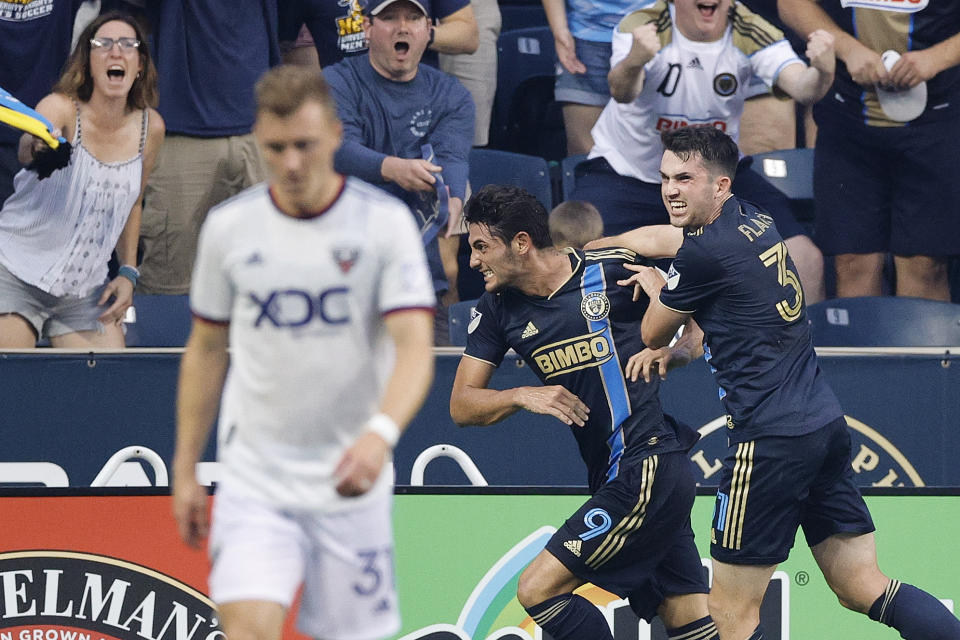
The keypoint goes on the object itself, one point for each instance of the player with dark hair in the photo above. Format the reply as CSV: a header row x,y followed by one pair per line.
x,y
565,315
788,463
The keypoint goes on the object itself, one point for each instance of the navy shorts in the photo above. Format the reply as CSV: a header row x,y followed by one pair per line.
x,y
770,486
626,203
590,88
880,189
633,537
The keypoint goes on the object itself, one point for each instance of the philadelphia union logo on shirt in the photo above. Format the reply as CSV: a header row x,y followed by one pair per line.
x,y
725,84
420,122
595,306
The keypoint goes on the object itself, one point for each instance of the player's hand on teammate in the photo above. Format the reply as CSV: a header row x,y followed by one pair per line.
x,y
912,68
120,290
190,509
360,465
866,67
555,401
647,361
566,48
821,52
646,43
412,174
646,279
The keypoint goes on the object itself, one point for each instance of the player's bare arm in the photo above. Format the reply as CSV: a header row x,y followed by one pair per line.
x,y
59,110
806,84
407,388
472,403
203,370
864,65
627,76
653,241
686,349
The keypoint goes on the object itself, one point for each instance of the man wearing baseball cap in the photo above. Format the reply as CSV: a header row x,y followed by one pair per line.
x,y
407,128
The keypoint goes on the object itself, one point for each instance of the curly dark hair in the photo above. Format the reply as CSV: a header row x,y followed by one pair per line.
x,y
506,211
718,150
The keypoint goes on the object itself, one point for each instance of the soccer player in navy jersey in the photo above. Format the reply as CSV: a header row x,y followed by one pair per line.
x,y
788,462
564,313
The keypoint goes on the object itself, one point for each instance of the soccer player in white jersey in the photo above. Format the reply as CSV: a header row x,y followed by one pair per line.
x,y
695,62
319,287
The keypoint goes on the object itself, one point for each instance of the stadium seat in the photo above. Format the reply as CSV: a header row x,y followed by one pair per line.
x,y
884,321
159,321
525,116
789,170
490,166
567,177
460,313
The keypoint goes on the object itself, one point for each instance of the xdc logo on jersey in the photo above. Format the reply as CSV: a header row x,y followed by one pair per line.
x,y
296,308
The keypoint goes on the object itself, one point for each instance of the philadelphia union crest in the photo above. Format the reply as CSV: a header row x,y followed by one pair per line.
x,y
595,306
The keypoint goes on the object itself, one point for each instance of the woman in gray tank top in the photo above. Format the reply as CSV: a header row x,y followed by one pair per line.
x,y
57,233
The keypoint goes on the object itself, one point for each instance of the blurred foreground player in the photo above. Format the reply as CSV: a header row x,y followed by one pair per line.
x,y
788,463
565,315
307,279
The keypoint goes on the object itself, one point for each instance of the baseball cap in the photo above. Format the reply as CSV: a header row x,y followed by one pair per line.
x,y
902,106
376,6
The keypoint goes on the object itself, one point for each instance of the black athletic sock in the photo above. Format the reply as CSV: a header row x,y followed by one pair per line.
x,y
702,629
570,617
916,614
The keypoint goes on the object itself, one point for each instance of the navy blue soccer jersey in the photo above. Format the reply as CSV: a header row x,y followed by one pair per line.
x,y
737,279
581,337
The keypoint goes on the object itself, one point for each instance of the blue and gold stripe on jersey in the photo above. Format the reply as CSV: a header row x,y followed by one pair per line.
x,y
593,283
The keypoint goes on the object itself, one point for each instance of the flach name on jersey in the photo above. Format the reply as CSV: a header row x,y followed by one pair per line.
x,y
754,227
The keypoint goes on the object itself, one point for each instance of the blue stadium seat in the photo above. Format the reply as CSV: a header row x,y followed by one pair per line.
x,y
567,178
884,321
525,116
489,166
789,170
459,318
159,321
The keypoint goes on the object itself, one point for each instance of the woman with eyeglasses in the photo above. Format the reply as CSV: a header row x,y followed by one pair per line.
x,y
57,233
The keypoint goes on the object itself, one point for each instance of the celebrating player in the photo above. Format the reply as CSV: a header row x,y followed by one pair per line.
x,y
788,464
565,315
303,279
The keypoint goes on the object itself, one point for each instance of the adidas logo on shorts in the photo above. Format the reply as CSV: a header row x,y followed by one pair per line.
x,y
573,546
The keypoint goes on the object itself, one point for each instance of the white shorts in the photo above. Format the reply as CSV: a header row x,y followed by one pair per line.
x,y
344,560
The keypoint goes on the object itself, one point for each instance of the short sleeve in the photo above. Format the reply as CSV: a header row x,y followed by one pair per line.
x,y
693,277
211,290
405,281
767,63
620,46
485,336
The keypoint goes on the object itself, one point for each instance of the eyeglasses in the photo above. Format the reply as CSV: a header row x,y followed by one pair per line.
x,y
126,44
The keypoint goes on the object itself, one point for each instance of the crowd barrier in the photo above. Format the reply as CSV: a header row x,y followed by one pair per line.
x,y
65,416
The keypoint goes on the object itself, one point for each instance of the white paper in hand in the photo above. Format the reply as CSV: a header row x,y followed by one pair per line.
x,y
902,106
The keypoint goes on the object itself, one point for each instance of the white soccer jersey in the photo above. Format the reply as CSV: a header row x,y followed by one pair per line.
x,y
305,299
686,83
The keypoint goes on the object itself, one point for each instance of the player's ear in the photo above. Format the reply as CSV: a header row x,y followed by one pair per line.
x,y
722,185
521,242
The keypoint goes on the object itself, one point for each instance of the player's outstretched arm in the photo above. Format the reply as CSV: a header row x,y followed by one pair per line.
x,y
653,241
472,403
407,388
203,370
